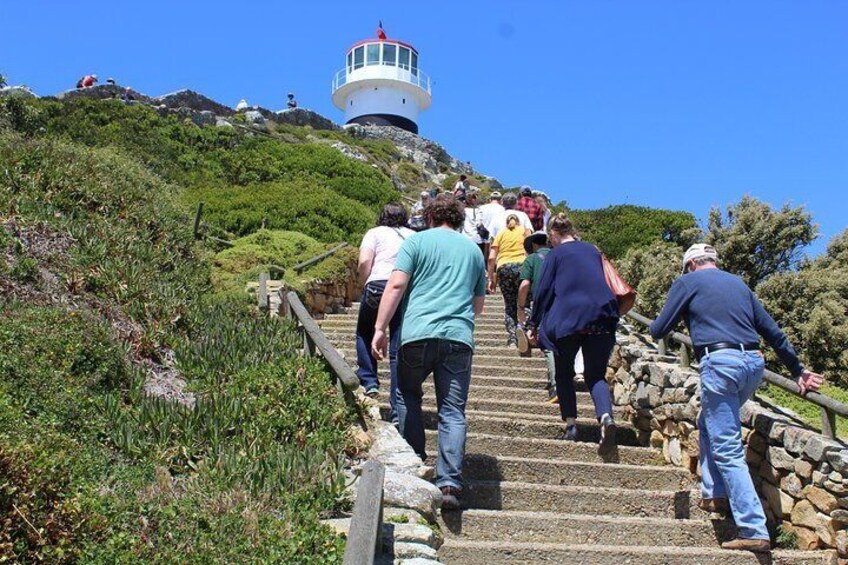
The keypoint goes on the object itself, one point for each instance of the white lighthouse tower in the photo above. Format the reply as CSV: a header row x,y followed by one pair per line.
x,y
382,84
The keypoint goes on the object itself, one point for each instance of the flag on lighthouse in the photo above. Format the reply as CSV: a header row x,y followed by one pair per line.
x,y
380,33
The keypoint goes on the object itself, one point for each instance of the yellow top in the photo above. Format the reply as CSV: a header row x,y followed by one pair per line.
x,y
510,245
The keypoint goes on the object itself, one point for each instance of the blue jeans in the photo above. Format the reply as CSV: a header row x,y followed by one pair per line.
x,y
597,349
367,371
450,363
728,379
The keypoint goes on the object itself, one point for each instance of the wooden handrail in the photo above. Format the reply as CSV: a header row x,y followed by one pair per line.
x,y
830,407
316,340
365,537
300,266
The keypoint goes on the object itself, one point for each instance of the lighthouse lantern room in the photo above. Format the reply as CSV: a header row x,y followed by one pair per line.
x,y
381,84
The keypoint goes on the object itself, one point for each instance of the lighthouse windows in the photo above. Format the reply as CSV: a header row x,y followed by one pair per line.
x,y
389,54
373,54
415,63
403,60
358,57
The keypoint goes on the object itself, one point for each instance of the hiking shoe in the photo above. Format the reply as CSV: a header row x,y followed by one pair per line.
x,y
553,398
522,342
608,430
450,498
570,433
372,392
714,505
748,544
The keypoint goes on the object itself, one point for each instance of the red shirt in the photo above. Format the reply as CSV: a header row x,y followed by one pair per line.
x,y
529,206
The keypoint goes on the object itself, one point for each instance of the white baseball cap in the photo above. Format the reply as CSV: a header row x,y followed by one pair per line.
x,y
699,251
496,195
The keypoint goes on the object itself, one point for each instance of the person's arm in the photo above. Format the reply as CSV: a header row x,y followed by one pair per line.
x,y
523,292
392,295
480,287
675,305
774,336
366,261
493,259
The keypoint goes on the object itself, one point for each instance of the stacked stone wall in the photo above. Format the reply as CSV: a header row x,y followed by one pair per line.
x,y
801,476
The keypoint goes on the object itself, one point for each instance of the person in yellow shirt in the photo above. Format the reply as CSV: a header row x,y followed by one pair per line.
x,y
505,259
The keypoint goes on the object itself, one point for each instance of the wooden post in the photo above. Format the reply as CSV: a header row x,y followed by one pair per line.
x,y
828,423
263,291
365,538
197,216
308,346
685,361
285,307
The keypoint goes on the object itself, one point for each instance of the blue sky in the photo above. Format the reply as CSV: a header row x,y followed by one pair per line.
x,y
673,104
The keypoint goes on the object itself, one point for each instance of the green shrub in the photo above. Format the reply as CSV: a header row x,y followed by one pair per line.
x,y
650,271
616,229
314,210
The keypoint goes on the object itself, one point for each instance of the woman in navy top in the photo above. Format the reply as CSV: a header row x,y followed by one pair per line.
x,y
574,308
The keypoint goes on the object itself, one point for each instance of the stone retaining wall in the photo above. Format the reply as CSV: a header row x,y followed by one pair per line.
x,y
802,477
323,297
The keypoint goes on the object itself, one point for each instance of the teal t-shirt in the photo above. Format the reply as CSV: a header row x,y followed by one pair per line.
x,y
446,272
531,269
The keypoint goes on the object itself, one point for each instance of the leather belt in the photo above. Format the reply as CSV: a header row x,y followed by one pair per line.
x,y
701,350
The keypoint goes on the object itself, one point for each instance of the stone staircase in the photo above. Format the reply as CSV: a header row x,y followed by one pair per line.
x,y
531,497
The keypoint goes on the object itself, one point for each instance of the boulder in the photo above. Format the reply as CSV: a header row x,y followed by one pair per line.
x,y
803,468
780,459
839,461
804,514
408,491
818,447
394,452
17,91
303,117
254,117
411,533
410,551
795,439
195,101
792,485
781,504
822,499
105,92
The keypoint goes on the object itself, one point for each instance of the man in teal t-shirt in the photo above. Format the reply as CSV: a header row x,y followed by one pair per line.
x,y
441,278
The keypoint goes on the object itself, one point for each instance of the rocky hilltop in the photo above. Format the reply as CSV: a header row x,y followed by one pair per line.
x,y
430,162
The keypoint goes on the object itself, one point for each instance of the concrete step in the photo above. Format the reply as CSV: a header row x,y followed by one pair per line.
x,y
482,355
490,341
495,552
497,392
332,330
552,449
488,316
575,473
577,529
530,409
496,424
508,495
482,376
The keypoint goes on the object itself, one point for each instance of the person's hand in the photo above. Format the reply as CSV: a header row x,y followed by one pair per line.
x,y
380,344
532,337
809,381
492,284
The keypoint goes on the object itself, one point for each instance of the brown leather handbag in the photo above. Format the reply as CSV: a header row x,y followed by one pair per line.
x,y
624,293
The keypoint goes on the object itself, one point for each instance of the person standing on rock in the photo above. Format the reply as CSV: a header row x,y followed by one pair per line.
x,y
726,321
87,81
292,103
575,309
441,279
377,255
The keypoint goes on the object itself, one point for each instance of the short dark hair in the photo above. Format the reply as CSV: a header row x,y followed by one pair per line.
x,y
509,200
462,177
445,209
393,215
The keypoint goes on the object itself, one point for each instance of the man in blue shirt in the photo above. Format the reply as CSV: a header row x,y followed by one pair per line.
x,y
441,278
726,321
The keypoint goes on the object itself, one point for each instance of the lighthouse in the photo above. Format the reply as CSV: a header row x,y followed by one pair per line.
x,y
381,84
